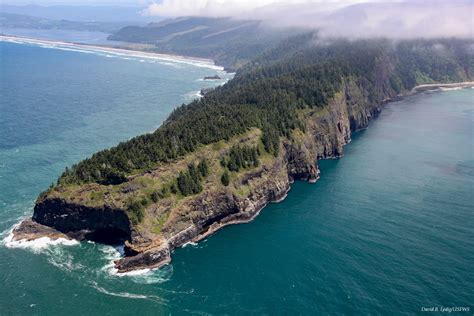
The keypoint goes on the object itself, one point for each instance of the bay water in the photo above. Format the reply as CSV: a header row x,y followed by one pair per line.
x,y
388,229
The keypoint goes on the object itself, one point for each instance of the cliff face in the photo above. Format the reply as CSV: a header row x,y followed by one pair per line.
x,y
196,217
103,224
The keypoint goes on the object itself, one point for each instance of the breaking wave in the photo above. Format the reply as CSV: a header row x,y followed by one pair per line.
x,y
36,245
164,59
127,295
142,276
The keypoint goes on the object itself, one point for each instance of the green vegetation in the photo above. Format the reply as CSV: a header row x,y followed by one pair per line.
x,y
135,211
269,94
189,181
11,20
241,157
230,42
158,224
155,196
225,178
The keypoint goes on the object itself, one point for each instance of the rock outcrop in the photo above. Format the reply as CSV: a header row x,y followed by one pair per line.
x,y
57,218
193,218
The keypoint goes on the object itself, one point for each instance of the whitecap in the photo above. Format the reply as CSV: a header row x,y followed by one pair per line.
x,y
119,294
127,294
141,276
115,52
133,272
190,243
193,95
61,259
36,245
450,89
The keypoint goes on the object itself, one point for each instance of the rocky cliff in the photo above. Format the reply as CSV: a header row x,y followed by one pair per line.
x,y
170,223
219,160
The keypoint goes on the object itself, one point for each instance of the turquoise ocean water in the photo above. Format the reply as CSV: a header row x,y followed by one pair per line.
x,y
388,229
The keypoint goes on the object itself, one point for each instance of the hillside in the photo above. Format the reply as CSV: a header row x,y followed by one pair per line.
x,y
220,160
11,20
229,42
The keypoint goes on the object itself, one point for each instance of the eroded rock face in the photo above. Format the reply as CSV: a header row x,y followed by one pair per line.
x,y
103,224
204,215
31,230
200,216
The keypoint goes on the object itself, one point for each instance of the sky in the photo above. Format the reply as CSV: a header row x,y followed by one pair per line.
x,y
234,7
176,4
348,18
78,2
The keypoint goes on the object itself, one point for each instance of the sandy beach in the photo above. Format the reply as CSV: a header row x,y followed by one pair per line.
x,y
434,86
199,62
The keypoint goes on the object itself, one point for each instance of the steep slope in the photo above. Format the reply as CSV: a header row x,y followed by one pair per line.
x,y
229,42
220,160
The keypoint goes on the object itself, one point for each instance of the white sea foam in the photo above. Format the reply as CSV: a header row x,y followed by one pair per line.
x,y
35,245
111,254
170,64
125,294
59,258
150,276
193,95
450,89
106,51
141,276
190,243
115,253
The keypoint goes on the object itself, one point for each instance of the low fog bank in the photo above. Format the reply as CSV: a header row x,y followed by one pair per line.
x,y
350,19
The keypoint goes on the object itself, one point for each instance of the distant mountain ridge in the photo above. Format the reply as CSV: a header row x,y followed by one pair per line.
x,y
83,13
230,42
11,20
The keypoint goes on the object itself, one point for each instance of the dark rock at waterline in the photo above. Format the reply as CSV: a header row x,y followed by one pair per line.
x,y
214,77
215,207
205,91
103,224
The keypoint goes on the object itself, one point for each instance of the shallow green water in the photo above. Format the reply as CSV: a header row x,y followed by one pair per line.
x,y
388,229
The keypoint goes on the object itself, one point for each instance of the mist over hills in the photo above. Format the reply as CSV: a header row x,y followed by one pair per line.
x,y
228,41
83,13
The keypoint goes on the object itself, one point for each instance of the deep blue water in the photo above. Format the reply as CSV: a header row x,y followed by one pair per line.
x,y
388,229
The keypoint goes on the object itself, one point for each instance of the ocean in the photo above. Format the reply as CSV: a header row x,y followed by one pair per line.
x,y
388,229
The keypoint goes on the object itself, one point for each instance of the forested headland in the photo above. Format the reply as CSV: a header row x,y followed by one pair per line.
x,y
270,92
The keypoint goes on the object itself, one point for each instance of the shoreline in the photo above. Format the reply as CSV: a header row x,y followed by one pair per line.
x,y
198,62
430,87
437,86
215,227
165,251
247,217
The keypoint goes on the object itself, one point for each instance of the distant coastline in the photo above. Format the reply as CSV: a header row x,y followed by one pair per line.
x,y
430,87
436,86
200,62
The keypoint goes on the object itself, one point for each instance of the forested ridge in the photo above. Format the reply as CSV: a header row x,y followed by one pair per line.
x,y
302,72
230,42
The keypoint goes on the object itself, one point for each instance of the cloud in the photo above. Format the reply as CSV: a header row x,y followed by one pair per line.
x,y
333,18
225,8
214,8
